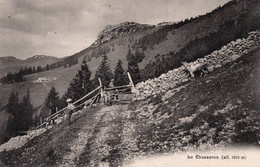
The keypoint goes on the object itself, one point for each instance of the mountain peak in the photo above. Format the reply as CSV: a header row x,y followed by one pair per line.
x,y
119,30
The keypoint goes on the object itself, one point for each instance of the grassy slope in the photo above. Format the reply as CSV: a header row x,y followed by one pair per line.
x,y
218,109
38,92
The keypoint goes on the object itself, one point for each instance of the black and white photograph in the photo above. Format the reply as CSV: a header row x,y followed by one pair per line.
x,y
129,83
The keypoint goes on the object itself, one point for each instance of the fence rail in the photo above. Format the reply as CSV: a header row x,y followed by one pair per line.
x,y
118,87
58,113
99,87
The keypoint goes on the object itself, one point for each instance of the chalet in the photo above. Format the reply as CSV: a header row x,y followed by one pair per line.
x,y
42,80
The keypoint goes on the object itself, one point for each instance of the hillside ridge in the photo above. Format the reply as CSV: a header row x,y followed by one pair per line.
x,y
13,64
40,57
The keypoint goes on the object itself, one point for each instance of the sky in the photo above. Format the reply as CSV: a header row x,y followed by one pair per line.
x,y
63,27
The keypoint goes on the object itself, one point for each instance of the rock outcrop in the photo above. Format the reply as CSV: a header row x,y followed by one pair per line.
x,y
19,141
216,59
165,24
119,30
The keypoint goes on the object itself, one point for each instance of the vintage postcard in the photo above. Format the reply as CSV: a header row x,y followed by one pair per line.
x,y
130,83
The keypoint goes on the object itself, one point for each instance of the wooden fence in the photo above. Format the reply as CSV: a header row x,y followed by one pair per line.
x,y
102,94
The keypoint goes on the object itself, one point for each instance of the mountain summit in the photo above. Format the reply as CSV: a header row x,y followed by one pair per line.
x,y
119,30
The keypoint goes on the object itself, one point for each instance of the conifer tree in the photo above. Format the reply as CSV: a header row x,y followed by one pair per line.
x,y
33,70
21,114
129,55
63,99
158,68
134,71
120,76
47,67
75,90
13,108
85,75
25,112
139,56
52,100
39,69
11,127
104,72
81,83
13,104
133,68
30,70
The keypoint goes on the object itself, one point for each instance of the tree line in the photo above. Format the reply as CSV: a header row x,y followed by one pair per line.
x,y
20,75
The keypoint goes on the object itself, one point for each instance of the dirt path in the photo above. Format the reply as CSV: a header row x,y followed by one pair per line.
x,y
104,147
78,144
128,139
100,136
107,139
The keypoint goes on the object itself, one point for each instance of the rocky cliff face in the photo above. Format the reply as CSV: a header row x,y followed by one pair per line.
x,y
119,30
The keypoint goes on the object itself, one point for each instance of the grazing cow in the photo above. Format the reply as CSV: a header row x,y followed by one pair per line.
x,y
194,68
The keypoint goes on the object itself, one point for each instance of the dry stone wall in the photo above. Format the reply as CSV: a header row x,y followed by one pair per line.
x,y
216,59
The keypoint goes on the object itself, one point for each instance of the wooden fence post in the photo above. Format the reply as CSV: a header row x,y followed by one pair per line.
x,y
101,90
131,81
133,89
100,82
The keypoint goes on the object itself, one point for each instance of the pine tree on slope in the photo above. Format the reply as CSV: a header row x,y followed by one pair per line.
x,y
85,75
26,112
120,76
13,108
13,104
133,68
21,114
80,85
52,100
75,90
104,72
